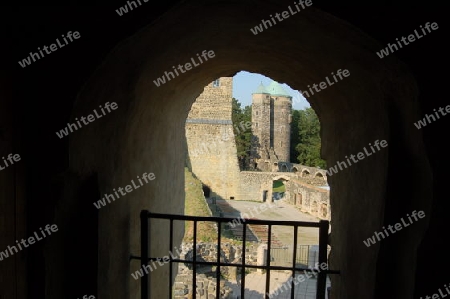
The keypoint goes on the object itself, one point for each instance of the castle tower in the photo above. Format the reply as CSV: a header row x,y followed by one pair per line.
x,y
282,111
261,123
271,118
210,139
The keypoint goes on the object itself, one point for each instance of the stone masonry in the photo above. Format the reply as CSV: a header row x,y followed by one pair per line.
x,y
210,139
314,200
271,118
206,281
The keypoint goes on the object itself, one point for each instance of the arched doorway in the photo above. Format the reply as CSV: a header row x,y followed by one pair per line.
x,y
150,132
206,190
278,189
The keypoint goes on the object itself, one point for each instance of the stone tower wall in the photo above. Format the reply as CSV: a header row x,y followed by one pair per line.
x,y
210,140
282,128
271,118
261,124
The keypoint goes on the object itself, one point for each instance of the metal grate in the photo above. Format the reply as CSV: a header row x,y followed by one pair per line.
x,y
323,226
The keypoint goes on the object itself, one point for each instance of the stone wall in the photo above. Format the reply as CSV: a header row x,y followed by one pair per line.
x,y
301,170
206,281
308,198
261,125
206,287
210,139
254,183
230,253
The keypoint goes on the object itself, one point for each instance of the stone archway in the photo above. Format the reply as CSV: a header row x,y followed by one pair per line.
x,y
305,173
147,131
206,190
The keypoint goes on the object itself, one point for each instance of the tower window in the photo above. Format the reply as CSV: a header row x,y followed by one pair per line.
x,y
256,112
216,83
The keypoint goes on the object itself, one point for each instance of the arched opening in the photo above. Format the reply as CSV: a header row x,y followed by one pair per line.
x,y
305,173
278,189
206,191
129,147
294,169
213,139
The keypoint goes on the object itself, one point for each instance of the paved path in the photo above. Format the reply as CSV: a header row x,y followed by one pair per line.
x,y
279,211
255,282
280,287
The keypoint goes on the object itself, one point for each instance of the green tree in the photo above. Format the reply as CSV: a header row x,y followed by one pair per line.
x,y
294,133
242,119
308,142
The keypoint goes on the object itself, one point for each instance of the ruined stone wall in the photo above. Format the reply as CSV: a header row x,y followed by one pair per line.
x,y
206,282
210,139
309,199
253,183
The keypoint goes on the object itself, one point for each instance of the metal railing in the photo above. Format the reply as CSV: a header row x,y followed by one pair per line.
x,y
145,257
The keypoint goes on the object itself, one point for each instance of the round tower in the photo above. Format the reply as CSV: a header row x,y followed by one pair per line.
x,y
282,111
260,123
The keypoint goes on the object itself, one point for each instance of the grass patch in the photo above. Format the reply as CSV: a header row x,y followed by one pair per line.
x,y
278,186
195,205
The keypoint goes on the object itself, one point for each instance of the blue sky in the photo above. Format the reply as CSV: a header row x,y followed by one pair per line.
x,y
244,83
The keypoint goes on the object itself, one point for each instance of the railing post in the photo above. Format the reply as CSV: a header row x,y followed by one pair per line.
x,y
323,245
145,281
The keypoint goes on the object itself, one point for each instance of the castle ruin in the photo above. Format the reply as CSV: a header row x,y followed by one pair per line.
x,y
271,118
212,151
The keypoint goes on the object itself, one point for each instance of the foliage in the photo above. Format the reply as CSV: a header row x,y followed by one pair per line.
x,y
278,186
305,140
295,138
305,136
242,118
